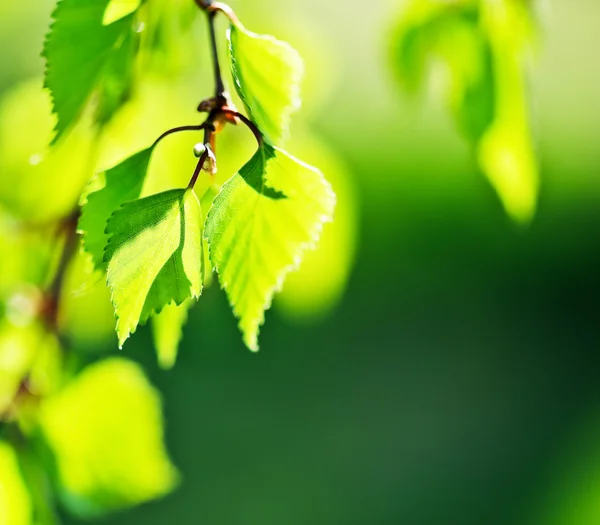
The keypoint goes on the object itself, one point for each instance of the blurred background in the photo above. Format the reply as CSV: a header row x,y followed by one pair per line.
x,y
448,372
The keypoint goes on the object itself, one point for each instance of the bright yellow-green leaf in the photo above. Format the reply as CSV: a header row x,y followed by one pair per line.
x,y
315,289
259,227
37,182
118,9
106,431
506,152
267,75
15,502
154,256
120,184
83,57
167,329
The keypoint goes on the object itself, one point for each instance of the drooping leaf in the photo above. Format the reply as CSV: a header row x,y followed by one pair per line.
x,y
167,329
313,292
267,75
481,46
259,226
154,256
106,431
15,500
84,56
506,152
123,183
452,34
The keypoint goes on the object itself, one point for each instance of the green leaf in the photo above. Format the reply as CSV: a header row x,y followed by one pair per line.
x,y
106,431
117,9
83,56
15,500
259,227
481,46
123,183
267,75
450,33
313,292
154,256
167,330
506,152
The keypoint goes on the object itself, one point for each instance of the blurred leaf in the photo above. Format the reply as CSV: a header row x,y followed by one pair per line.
x,y
313,290
167,329
259,227
451,33
106,431
39,183
82,54
267,74
86,314
481,45
15,502
122,183
154,256
27,354
30,257
506,152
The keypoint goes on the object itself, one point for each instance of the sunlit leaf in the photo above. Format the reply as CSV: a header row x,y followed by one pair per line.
x,y
259,227
15,501
117,9
154,256
167,329
106,431
315,289
84,55
39,183
506,152
267,74
122,183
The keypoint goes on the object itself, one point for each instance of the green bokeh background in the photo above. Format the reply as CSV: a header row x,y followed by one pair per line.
x,y
457,381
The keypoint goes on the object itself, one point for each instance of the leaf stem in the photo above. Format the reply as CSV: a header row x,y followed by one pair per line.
x,y
213,7
249,124
50,307
178,129
220,93
198,169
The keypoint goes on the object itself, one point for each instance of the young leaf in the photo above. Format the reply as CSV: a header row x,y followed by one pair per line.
x,y
81,53
123,183
154,256
259,226
267,74
167,328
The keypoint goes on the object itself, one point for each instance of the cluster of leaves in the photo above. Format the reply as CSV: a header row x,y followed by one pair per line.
x,y
258,226
151,239
481,46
